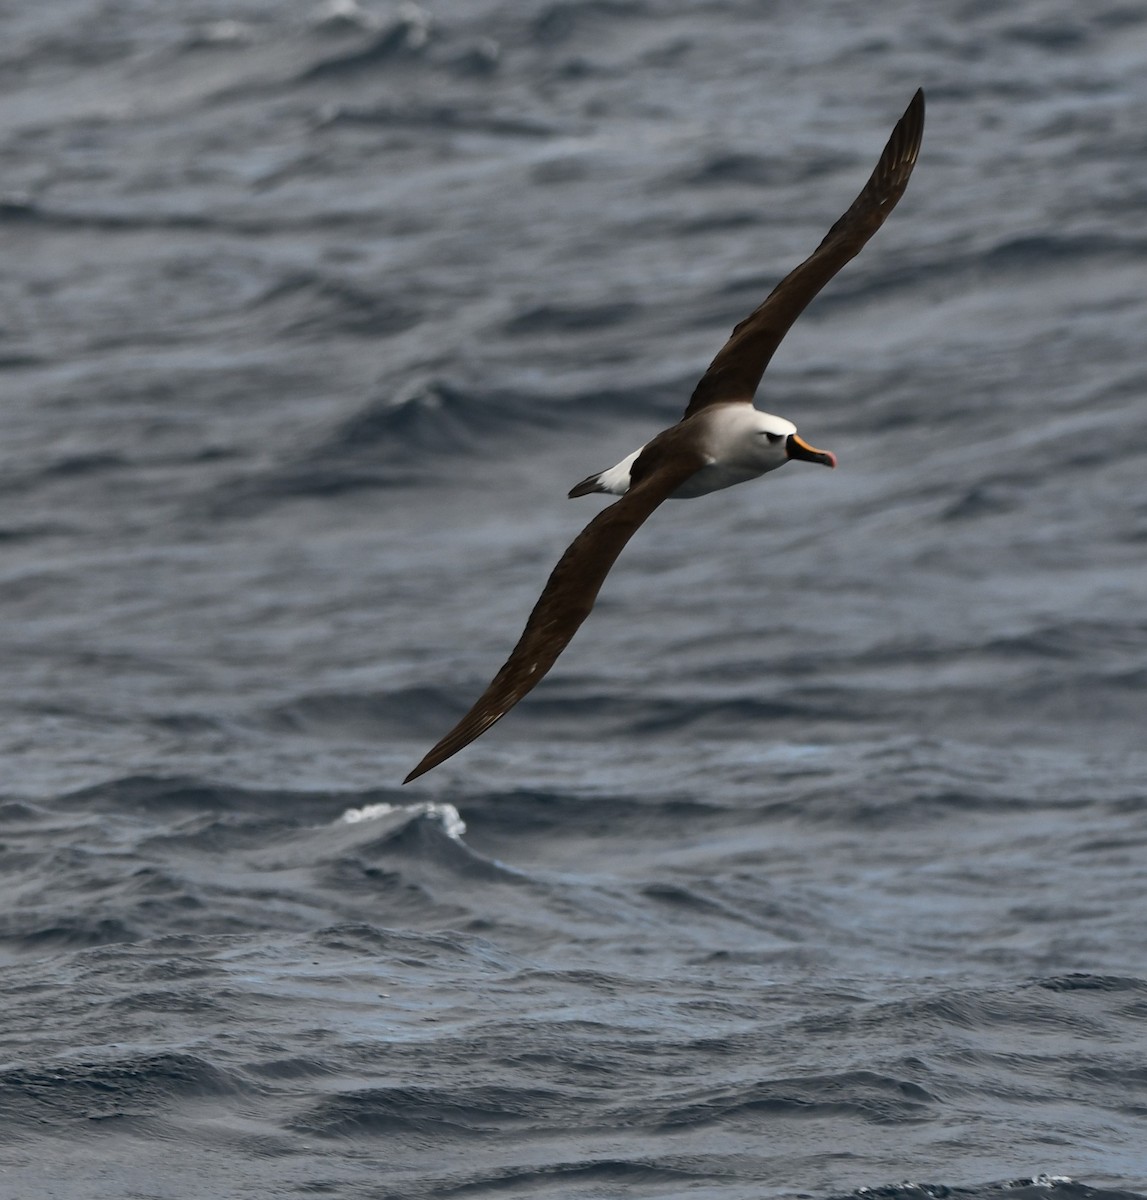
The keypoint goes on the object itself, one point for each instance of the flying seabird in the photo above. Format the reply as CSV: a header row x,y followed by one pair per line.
x,y
721,440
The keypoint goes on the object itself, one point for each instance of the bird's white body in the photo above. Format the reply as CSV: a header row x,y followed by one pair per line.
x,y
740,441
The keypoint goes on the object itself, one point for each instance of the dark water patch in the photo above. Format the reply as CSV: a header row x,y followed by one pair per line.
x,y
481,57
725,716
34,532
18,814
443,118
221,835
1077,641
140,1087
427,418
558,24
1058,35
974,1011
959,269
1038,250
15,209
403,947
1082,982
557,1177
33,931
175,796
559,318
584,979
867,1095
398,440
254,495
464,1110
492,411
1042,1187
989,798
716,222
154,883
149,970
574,715
690,902
1099,695
405,38
240,220
884,804
191,1002
292,1069
524,812
1122,1086
404,899
396,889
760,170
84,464
405,712
190,724
111,220
1051,1188
313,302
983,500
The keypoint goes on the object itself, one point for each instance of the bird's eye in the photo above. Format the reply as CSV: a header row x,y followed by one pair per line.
x,y
774,437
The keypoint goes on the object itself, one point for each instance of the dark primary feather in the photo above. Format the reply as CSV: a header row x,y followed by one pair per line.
x,y
569,594
736,371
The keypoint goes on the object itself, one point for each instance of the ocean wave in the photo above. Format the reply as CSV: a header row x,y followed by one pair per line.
x,y
310,303
569,318
171,796
406,36
442,117
402,838
569,711
408,712
1082,982
469,1110
595,1173
561,21
452,824
759,170
867,1095
435,415
1039,1187
135,1088
398,440
44,929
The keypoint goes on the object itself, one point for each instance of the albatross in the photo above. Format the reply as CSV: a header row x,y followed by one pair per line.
x,y
722,439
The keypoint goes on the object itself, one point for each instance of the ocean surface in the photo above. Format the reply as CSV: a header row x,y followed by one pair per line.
x,y
818,866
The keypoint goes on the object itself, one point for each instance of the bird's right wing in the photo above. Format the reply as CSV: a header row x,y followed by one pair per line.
x,y
568,597
736,371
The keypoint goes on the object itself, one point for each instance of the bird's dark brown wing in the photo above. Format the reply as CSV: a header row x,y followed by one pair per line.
x,y
736,371
568,597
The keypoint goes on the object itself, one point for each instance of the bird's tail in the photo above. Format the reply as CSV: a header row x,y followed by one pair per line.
x,y
614,481
588,486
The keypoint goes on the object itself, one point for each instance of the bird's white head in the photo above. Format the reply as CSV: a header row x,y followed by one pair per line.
x,y
782,442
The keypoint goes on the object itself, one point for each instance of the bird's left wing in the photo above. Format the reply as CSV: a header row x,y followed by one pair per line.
x,y
736,371
568,597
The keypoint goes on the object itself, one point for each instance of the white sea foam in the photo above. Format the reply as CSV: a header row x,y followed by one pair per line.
x,y
451,820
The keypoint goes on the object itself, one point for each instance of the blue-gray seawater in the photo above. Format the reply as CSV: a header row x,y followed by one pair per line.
x,y
817,866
